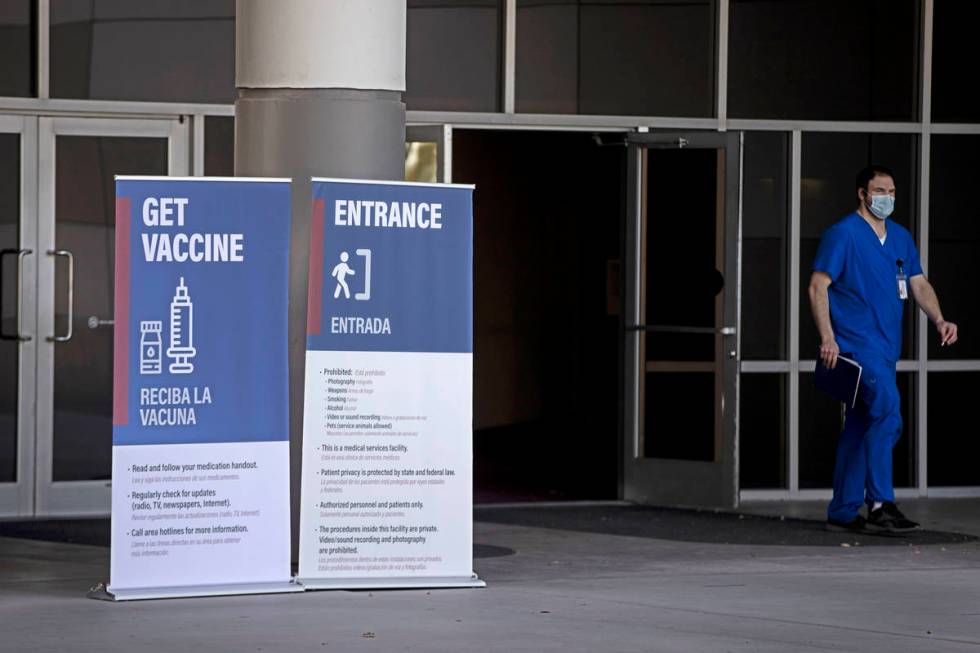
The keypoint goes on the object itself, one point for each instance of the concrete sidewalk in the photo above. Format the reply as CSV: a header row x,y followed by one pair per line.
x,y
560,590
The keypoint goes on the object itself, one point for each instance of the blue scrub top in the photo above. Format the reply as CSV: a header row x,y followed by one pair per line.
x,y
865,308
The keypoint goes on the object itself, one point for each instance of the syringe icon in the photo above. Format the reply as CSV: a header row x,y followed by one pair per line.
x,y
181,348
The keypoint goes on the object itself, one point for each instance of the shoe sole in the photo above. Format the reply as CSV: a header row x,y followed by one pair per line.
x,y
890,530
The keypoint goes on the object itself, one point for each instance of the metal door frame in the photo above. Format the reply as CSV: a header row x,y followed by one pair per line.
x,y
76,498
682,482
17,498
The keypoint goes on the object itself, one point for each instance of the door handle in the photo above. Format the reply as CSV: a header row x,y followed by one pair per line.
x,y
709,331
21,253
71,293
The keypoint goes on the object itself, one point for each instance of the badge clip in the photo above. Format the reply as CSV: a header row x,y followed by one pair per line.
x,y
902,281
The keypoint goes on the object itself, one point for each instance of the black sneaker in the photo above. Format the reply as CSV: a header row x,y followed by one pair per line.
x,y
855,525
889,518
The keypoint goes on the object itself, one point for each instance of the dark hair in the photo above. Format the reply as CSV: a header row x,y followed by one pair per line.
x,y
870,172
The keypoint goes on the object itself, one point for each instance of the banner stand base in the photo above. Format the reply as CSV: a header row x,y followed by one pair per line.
x,y
103,593
434,582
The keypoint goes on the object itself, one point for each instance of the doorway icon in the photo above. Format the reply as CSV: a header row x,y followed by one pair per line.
x,y
342,270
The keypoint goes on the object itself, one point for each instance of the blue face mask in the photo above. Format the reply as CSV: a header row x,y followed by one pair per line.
x,y
881,206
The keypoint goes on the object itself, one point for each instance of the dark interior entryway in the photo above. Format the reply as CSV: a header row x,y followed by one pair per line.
x,y
549,214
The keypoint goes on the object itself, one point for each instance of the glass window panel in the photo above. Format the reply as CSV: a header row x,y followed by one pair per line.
x,y
219,146
820,424
765,224
904,453
453,55
687,433
547,56
762,431
85,225
682,288
953,55
821,419
830,163
953,445
954,241
648,58
823,59
676,183
152,50
642,57
18,48
9,366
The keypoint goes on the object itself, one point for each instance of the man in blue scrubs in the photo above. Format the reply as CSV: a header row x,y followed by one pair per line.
x,y
865,269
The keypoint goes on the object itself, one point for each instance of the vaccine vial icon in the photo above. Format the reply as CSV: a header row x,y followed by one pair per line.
x,y
151,354
181,349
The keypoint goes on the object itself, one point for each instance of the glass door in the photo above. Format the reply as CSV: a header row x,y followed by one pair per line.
x,y
681,338
18,345
78,160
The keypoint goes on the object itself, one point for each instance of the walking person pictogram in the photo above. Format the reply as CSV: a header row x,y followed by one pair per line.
x,y
340,271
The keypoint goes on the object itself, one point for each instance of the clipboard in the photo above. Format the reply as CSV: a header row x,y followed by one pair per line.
x,y
842,382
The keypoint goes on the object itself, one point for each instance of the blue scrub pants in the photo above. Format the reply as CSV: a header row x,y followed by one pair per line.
x,y
863,473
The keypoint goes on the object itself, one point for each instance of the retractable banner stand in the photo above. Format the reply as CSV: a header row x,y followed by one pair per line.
x,y
387,495
200,456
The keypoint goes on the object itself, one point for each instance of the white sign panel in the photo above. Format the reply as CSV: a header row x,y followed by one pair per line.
x,y
200,456
387,435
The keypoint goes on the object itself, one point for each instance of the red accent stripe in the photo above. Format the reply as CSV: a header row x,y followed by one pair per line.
x,y
314,304
120,354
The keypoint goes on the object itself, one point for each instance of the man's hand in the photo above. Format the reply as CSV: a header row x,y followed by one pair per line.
x,y
948,332
829,351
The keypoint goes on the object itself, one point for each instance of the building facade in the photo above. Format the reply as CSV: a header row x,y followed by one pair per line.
x,y
652,182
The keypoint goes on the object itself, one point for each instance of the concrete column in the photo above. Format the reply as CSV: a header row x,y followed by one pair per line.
x,y
319,94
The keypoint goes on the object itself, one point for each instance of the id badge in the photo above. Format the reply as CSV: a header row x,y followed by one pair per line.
x,y
903,285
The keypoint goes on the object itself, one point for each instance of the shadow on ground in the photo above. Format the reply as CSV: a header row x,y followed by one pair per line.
x,y
95,532
699,526
635,521
73,531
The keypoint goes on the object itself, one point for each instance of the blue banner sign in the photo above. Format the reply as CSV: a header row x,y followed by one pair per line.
x,y
200,496
387,433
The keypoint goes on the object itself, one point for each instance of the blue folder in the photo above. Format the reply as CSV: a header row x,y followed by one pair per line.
x,y
842,382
